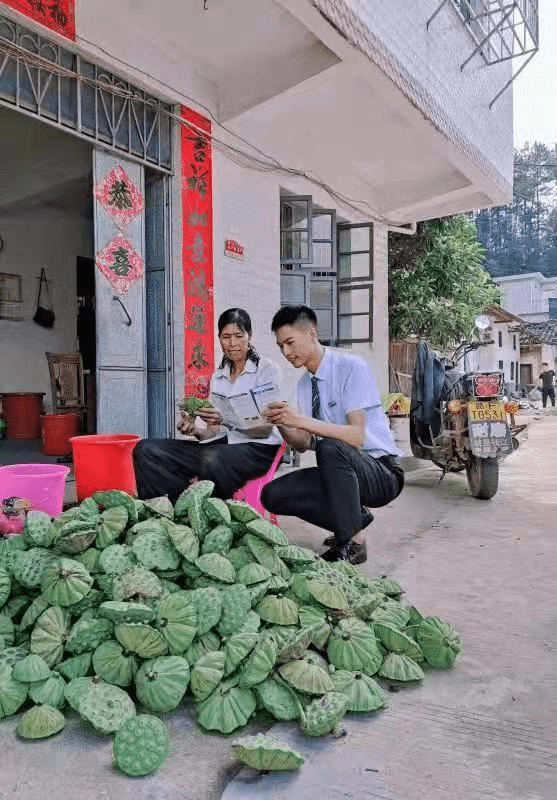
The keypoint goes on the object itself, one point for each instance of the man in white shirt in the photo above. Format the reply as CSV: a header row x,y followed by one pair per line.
x,y
340,414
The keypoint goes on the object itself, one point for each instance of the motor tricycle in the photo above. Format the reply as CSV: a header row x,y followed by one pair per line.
x,y
460,420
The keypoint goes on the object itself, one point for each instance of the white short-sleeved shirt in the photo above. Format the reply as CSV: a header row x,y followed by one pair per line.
x,y
346,384
265,371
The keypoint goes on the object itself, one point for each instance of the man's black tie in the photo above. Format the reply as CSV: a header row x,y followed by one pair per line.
x,y
315,399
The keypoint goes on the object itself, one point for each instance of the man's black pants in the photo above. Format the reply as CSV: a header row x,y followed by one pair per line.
x,y
548,391
331,494
166,466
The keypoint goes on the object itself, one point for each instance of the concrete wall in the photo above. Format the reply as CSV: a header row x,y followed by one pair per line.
x,y
528,295
51,239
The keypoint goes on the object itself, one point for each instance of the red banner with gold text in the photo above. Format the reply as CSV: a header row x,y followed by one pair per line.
x,y
58,15
197,254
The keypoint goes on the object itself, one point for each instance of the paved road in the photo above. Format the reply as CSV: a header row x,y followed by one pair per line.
x,y
483,731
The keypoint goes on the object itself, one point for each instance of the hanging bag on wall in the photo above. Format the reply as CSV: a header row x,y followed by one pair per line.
x,y
44,315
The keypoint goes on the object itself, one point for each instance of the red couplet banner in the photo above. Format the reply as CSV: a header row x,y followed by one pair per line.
x,y
58,15
197,254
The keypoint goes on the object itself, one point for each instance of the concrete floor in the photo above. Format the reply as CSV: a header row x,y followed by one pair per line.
x,y
483,731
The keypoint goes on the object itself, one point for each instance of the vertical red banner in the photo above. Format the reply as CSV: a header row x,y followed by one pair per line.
x,y
197,253
58,15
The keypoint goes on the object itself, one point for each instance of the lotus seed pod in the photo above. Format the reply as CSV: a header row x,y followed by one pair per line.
x,y
385,585
150,525
259,663
392,612
328,594
198,518
396,641
277,609
141,745
39,529
160,684
183,538
114,498
160,507
253,573
362,692
307,675
11,655
414,620
137,583
30,669
398,667
267,531
217,511
105,706
75,542
65,582
40,722
280,634
217,567
141,639
352,646
50,691
279,699
316,621
208,606
236,602
88,634
7,630
439,642
201,489
323,714
242,512
177,621
75,667
75,690
114,664
118,612
239,557
50,635
265,554
294,646
13,693
200,646
218,540
88,509
293,555
252,623
226,709
155,551
207,674
116,559
265,753
29,566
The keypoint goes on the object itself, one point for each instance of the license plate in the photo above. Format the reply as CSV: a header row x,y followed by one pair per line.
x,y
486,412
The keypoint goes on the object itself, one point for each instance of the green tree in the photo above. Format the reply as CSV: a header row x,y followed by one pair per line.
x,y
438,284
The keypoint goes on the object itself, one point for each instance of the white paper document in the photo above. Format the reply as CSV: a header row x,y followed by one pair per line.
x,y
243,411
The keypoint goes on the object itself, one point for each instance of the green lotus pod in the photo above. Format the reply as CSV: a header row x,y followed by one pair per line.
x,y
114,664
75,690
141,745
317,623
154,551
250,574
291,554
226,709
352,646
239,557
217,511
50,634
13,693
88,634
88,509
116,559
30,669
217,567
266,555
160,507
40,722
278,609
391,612
17,604
89,559
65,582
50,691
200,646
439,642
89,604
257,591
237,648
396,641
28,566
105,583
267,531
207,674
105,706
265,753
114,498
414,620
7,630
364,604
66,516
201,489
278,698
280,634
398,667
208,606
141,639
362,692
236,602
251,623
75,667
238,529
295,646
324,714
11,655
75,542
385,585
277,585
177,621
39,529
299,585
328,594
150,525
242,512
161,684
218,540
307,675
183,538
118,612
259,663
138,583
112,523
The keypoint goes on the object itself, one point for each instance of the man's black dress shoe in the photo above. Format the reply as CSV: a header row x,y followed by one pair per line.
x,y
353,552
367,519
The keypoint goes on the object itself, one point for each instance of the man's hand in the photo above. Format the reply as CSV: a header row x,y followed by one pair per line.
x,y
210,415
280,413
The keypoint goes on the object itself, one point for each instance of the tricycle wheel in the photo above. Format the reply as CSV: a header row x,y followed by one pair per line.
x,y
483,477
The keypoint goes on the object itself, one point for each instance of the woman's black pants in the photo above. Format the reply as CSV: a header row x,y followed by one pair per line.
x,y
166,466
331,494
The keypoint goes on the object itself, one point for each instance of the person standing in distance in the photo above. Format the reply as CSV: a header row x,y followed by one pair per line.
x,y
341,416
547,377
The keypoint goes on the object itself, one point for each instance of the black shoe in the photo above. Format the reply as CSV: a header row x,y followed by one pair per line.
x,y
367,519
353,552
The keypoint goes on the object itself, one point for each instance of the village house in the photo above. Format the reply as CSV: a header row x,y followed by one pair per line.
x,y
164,161
530,295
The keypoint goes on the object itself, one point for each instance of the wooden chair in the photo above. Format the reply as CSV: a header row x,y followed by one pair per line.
x,y
66,381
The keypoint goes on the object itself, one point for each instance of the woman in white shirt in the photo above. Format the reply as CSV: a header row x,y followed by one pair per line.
x,y
229,457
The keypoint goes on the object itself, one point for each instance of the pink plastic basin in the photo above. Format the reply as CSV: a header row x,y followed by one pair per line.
x,y
42,484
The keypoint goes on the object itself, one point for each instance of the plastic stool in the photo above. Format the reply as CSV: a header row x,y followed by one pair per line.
x,y
251,491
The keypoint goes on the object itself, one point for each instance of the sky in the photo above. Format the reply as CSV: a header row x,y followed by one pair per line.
x,y
535,96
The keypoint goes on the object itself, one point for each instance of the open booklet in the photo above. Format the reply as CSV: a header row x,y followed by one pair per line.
x,y
243,411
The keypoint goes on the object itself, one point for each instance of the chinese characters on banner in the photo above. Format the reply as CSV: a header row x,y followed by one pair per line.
x,y
197,255
58,15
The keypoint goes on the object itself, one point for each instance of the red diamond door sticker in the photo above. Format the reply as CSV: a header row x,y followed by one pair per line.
x,y
119,196
120,263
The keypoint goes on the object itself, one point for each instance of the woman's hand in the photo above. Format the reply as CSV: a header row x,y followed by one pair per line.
x,y
210,416
186,426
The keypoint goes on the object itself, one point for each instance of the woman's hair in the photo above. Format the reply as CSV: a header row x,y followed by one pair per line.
x,y
241,318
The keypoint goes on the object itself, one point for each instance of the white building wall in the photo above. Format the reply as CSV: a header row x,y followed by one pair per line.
x,y
528,295
509,352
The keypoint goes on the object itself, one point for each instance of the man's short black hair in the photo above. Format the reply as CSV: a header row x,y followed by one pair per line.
x,y
290,315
